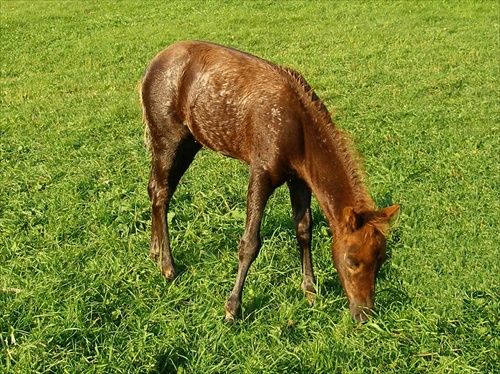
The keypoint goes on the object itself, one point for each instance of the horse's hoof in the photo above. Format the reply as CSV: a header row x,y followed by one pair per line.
x,y
233,311
229,318
170,274
311,298
310,293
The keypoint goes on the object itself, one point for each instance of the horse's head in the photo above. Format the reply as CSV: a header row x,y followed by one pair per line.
x,y
359,250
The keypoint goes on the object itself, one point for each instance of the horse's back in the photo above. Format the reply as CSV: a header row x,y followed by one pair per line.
x,y
225,97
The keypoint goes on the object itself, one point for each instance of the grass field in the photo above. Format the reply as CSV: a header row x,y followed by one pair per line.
x,y
415,84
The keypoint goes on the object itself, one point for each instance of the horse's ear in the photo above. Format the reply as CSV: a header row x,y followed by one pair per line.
x,y
390,213
351,220
384,217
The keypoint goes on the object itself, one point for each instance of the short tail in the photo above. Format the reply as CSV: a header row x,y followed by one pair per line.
x,y
147,135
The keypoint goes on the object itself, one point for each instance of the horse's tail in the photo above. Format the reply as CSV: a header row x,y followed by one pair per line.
x,y
145,122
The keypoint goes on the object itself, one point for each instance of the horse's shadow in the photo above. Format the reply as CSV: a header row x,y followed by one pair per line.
x,y
168,361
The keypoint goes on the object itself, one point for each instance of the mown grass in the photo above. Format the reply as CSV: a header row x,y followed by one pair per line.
x,y
415,84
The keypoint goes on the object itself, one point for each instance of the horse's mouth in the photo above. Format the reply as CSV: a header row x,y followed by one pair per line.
x,y
360,313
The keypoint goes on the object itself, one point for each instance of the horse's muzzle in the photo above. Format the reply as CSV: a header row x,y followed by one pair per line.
x,y
361,311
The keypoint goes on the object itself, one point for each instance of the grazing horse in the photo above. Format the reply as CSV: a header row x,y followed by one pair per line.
x,y
198,94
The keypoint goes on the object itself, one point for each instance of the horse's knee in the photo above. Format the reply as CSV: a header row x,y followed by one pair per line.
x,y
249,249
157,193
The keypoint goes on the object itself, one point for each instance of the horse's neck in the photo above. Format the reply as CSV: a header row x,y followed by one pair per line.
x,y
331,173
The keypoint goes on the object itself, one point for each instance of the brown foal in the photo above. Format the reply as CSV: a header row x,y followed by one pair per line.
x,y
198,94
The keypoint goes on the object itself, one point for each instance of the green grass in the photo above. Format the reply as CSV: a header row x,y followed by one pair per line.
x,y
415,84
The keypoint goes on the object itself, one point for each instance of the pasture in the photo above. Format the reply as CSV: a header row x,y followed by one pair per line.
x,y
414,84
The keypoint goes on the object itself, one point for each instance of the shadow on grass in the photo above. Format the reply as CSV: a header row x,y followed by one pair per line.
x,y
170,361
391,300
394,242
180,268
252,306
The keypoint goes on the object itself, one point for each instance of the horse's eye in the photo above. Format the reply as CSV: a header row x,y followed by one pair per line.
x,y
352,263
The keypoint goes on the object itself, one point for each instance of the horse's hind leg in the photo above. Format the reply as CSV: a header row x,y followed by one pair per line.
x,y
300,196
171,156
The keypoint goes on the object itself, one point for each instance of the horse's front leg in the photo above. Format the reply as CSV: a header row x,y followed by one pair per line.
x,y
300,196
259,190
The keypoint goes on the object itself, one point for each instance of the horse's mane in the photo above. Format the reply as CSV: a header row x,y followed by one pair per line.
x,y
343,146
307,95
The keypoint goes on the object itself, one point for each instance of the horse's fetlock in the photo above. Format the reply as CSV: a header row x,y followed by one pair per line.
x,y
308,287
